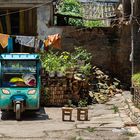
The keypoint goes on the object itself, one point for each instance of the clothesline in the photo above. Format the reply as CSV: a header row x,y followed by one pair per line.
x,y
32,41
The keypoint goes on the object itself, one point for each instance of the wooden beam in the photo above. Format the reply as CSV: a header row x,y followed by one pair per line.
x,y
21,22
30,21
1,28
34,20
8,23
23,3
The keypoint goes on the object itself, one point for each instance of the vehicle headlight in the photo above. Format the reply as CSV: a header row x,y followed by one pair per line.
x,y
5,91
32,91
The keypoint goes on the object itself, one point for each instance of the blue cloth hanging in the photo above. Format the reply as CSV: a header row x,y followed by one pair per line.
x,y
10,45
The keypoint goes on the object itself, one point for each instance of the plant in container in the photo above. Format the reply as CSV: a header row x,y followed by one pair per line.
x,y
82,103
69,104
82,110
61,71
70,67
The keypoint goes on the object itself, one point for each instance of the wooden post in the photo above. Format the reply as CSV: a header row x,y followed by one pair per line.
x,y
30,21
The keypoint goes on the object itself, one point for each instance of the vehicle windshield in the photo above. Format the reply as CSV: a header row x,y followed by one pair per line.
x,y
19,73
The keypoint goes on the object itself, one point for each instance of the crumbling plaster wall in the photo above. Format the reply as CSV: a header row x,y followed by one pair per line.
x,y
43,23
110,47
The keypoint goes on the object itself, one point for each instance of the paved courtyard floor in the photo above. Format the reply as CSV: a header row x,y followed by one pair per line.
x,y
106,122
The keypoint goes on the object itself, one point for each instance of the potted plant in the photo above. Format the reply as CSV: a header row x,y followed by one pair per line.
x,y
82,110
83,103
67,110
69,104
61,72
70,67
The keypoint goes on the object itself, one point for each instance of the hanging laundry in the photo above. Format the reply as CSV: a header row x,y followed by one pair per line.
x,y
54,40
41,46
37,45
4,40
28,41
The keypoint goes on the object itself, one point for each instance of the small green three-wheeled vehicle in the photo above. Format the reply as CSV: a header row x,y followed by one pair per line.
x,y
19,82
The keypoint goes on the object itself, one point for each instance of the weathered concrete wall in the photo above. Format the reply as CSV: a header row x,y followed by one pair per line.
x,y
136,36
136,48
43,23
123,66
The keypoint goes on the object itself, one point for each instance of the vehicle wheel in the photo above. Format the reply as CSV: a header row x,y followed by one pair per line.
x,y
18,112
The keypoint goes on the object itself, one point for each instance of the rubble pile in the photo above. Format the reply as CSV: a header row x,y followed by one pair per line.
x,y
102,86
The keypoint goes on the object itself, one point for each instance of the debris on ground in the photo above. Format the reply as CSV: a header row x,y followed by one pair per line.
x,y
102,86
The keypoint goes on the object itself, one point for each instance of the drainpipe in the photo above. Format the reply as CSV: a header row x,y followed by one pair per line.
x,y
132,44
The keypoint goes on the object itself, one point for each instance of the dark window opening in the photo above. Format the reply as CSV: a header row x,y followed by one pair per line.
x,y
14,22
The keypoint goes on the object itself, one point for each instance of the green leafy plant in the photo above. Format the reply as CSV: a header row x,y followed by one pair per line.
x,y
56,62
51,62
115,109
85,69
136,79
83,103
93,24
65,56
72,8
66,61
90,129
81,54
69,104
